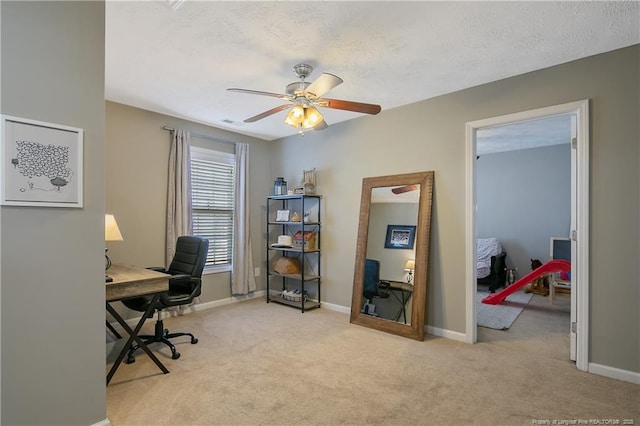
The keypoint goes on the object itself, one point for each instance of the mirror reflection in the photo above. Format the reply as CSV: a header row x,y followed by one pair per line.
x,y
390,253
390,273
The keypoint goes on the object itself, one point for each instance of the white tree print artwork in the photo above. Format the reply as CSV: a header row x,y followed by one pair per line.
x,y
42,164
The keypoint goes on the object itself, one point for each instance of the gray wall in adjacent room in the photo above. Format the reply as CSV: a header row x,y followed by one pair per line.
x,y
53,332
523,198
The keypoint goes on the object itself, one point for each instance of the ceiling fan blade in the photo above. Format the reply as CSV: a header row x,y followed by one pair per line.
x,y
321,126
257,92
267,113
406,188
322,85
350,106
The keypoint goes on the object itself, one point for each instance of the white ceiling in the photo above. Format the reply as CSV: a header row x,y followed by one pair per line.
x,y
384,194
180,62
537,133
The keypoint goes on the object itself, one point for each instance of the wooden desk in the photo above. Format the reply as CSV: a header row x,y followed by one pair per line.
x,y
133,281
405,289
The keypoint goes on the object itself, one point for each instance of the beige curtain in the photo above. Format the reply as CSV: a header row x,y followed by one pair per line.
x,y
179,191
242,279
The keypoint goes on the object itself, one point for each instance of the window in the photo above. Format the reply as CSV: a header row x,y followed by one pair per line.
x,y
212,178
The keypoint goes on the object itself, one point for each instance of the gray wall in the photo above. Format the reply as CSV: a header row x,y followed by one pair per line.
x,y
53,366
430,135
52,321
136,189
524,198
392,261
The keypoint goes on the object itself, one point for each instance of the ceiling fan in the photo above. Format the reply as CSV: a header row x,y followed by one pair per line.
x,y
405,188
303,98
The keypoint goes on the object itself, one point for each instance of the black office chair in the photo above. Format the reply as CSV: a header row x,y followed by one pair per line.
x,y
373,287
184,285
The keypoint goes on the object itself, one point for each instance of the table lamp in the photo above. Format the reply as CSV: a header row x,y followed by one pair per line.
x,y
111,233
410,266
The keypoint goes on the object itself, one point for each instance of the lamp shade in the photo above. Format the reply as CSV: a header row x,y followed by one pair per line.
x,y
111,230
305,117
312,118
410,265
295,116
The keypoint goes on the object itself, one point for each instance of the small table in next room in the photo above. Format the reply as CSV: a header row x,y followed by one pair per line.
x,y
133,281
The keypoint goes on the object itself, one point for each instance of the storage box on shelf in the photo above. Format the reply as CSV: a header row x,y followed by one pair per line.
x,y
309,240
293,273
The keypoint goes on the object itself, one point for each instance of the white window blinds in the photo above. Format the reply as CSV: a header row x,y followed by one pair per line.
x,y
212,178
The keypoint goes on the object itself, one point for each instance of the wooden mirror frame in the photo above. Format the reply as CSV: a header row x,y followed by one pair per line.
x,y
414,330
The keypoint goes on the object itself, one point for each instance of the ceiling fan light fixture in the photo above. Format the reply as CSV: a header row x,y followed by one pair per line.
x,y
296,116
304,96
312,118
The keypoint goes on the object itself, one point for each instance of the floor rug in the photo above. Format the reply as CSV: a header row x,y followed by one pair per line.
x,y
502,316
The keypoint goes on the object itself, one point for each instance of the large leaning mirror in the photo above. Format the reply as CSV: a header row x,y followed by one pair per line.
x,y
392,251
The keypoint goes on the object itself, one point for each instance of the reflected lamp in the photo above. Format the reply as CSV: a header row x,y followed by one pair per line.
x,y
409,267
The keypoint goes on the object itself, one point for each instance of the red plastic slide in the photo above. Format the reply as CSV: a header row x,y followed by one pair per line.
x,y
547,268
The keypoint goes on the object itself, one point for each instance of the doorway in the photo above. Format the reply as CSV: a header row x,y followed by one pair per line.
x,y
579,218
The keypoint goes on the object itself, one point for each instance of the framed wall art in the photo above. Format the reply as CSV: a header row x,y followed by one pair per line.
x,y
400,237
40,164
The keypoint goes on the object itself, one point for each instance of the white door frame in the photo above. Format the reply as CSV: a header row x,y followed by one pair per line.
x,y
580,272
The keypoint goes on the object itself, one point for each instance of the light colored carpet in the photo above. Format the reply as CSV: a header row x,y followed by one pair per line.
x,y
267,364
542,329
502,316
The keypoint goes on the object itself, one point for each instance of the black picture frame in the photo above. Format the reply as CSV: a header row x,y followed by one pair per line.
x,y
400,237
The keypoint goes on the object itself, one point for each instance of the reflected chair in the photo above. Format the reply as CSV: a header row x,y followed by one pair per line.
x,y
373,287
185,284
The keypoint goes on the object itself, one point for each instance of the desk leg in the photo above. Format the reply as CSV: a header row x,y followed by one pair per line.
x,y
402,310
133,335
113,330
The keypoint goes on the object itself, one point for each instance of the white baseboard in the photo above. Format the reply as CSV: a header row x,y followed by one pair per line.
x,y
227,301
453,335
447,334
614,373
337,308
196,308
599,369
104,422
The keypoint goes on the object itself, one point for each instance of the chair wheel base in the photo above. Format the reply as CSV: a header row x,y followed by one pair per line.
x,y
130,360
175,355
194,340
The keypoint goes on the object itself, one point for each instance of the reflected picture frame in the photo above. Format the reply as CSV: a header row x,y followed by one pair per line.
x,y
400,237
41,164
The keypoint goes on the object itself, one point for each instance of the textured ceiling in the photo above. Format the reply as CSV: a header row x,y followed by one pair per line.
x,y
179,62
547,131
385,195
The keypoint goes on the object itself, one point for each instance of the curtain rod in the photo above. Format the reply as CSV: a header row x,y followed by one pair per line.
x,y
201,136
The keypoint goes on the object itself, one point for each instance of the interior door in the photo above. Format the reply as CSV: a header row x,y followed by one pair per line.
x,y
574,242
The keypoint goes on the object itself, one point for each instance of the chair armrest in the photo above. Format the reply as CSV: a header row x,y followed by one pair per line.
x,y
180,277
182,290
